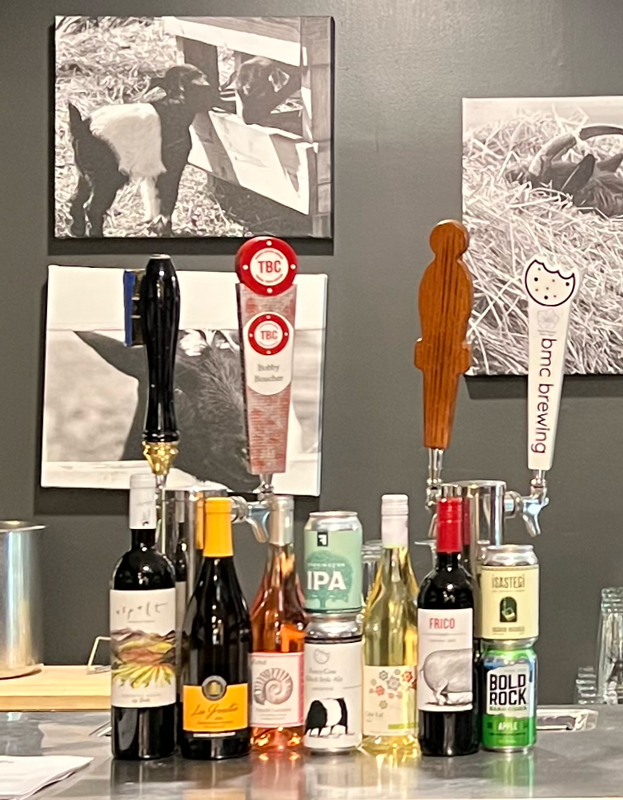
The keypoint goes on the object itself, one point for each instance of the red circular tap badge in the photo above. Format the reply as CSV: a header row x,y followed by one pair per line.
x,y
268,334
266,265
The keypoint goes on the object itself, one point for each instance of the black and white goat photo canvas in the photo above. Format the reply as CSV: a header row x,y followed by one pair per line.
x,y
544,177
96,385
193,126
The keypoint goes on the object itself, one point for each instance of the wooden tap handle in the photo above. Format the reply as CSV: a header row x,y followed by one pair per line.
x,y
445,304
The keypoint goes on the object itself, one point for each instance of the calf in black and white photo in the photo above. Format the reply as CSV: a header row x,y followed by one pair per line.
x,y
148,143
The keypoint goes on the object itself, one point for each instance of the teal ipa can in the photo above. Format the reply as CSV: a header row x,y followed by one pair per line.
x,y
509,676
333,563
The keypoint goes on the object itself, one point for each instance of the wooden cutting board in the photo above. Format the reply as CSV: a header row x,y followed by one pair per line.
x,y
68,688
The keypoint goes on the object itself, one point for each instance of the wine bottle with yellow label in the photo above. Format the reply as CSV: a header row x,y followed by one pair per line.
x,y
214,718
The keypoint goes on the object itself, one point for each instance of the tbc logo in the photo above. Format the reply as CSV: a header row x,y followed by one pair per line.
x,y
269,267
269,334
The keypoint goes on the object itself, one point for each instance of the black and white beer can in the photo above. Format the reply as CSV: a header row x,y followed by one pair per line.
x,y
333,682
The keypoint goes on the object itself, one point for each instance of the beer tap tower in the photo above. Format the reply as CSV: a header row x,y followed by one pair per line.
x,y
266,296
442,354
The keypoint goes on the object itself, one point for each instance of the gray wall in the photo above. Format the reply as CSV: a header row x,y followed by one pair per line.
x,y
402,68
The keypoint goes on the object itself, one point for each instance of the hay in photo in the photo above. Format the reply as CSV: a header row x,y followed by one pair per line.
x,y
543,177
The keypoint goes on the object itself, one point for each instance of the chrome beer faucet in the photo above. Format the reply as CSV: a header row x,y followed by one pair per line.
x,y
528,506
445,300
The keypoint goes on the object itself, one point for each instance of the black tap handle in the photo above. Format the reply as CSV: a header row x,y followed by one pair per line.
x,y
159,307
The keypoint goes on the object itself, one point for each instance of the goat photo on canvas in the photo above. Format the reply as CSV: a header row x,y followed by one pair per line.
x,y
158,134
147,143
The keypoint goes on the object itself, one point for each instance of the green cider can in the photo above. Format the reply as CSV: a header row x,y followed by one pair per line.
x,y
333,562
508,680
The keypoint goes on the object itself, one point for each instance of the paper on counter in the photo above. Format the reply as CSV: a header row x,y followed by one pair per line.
x,y
22,776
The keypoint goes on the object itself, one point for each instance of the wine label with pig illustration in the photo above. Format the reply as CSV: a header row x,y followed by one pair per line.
x,y
142,645
445,659
276,689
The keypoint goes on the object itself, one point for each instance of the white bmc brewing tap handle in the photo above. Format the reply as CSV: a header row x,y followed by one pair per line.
x,y
550,292
266,268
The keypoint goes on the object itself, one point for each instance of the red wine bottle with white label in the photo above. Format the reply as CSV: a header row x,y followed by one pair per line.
x,y
142,637
447,702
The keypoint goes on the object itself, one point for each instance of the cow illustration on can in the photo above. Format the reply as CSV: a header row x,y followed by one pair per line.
x,y
326,715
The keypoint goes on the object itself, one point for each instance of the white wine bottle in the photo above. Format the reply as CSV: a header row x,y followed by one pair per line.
x,y
390,641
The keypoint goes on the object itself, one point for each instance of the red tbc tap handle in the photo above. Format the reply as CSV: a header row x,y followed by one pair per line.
x,y
445,304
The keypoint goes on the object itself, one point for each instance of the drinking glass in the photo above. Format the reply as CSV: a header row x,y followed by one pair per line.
x,y
371,556
586,687
610,647
432,546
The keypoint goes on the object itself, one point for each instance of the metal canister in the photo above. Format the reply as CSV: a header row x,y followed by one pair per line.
x,y
509,587
508,689
21,616
333,682
333,566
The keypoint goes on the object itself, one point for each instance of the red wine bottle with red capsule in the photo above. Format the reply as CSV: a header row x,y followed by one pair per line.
x,y
447,702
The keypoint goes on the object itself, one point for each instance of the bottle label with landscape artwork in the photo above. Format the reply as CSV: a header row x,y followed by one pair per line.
x,y
445,660
333,679
142,645
389,701
215,707
276,689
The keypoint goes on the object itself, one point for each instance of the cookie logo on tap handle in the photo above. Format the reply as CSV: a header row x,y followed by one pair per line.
x,y
548,286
